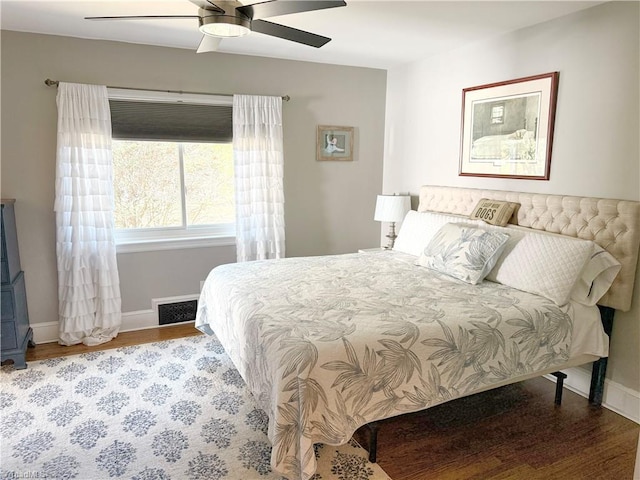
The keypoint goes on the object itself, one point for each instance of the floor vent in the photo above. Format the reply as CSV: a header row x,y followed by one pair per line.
x,y
177,312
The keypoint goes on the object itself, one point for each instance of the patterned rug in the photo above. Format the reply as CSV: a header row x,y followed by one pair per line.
x,y
175,409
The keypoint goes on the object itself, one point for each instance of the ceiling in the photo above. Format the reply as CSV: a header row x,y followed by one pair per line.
x,y
367,33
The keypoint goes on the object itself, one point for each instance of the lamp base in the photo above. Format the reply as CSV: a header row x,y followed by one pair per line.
x,y
391,236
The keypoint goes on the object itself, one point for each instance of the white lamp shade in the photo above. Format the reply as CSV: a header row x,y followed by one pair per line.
x,y
392,208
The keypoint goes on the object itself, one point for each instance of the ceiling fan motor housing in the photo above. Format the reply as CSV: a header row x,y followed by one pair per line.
x,y
231,23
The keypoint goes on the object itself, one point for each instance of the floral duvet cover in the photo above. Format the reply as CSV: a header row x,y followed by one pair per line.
x,y
327,344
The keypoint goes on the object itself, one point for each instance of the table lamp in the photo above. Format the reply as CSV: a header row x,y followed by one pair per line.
x,y
392,209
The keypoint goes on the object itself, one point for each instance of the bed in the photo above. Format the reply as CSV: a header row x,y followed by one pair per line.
x,y
516,146
328,344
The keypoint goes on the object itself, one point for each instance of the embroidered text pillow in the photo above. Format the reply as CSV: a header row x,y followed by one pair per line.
x,y
494,212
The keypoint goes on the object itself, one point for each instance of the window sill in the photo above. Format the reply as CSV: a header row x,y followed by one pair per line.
x,y
173,244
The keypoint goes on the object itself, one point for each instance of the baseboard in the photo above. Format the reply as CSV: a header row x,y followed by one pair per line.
x,y
138,320
616,397
131,321
46,332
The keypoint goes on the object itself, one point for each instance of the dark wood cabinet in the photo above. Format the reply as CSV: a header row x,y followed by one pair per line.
x,y
16,334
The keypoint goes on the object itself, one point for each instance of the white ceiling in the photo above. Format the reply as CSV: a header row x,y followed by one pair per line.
x,y
368,33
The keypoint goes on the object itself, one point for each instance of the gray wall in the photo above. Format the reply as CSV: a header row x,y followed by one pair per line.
x,y
595,149
329,205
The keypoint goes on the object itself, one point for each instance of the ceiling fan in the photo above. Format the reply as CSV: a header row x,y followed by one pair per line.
x,y
229,18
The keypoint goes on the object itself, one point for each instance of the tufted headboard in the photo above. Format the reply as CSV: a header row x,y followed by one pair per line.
x,y
612,224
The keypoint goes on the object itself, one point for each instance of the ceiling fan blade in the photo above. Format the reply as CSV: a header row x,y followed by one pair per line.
x,y
288,33
207,5
140,17
208,44
274,8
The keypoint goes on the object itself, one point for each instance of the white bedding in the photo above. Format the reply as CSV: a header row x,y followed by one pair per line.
x,y
517,146
327,344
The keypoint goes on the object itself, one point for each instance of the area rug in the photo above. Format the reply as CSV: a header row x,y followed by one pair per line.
x,y
174,409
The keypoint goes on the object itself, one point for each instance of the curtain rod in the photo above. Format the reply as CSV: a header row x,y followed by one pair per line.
x,y
54,83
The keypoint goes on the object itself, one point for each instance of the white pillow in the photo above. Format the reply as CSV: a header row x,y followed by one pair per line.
x,y
463,252
547,265
418,229
596,277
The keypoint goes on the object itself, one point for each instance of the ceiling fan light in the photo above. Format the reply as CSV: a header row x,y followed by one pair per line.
x,y
224,26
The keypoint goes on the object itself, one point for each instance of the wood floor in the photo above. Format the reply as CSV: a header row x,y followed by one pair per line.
x,y
126,339
514,432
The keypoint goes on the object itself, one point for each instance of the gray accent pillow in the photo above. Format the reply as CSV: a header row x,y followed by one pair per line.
x,y
463,252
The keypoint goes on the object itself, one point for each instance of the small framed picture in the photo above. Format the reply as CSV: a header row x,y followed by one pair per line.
x,y
334,143
507,128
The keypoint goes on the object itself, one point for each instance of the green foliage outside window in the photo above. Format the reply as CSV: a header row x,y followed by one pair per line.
x,y
150,188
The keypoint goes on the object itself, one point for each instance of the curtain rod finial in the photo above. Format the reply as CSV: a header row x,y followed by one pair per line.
x,y
51,83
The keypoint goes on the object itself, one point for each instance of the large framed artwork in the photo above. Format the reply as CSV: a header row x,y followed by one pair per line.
x,y
507,128
334,143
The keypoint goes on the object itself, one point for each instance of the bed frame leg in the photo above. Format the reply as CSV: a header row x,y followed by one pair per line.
x,y
560,376
596,391
373,440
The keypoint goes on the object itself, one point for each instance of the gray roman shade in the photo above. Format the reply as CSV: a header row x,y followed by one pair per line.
x,y
178,122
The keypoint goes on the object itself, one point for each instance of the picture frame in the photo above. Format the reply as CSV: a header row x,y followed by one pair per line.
x,y
507,128
334,143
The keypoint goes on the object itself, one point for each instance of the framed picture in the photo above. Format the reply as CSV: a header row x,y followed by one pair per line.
x,y
334,143
507,128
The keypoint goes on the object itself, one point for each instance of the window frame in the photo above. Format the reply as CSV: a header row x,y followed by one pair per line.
x,y
168,238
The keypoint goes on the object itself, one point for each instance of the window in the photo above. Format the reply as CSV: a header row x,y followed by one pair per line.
x,y
173,170
497,113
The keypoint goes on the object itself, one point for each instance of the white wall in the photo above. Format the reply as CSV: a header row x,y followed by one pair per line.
x,y
595,149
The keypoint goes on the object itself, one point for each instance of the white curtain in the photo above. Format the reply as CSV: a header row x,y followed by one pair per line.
x,y
258,162
88,283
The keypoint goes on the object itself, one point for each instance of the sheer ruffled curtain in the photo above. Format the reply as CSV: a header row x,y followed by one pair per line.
x,y
259,162
88,283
